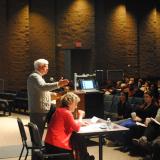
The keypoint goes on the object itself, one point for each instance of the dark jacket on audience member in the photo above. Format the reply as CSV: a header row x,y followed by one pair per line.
x,y
147,111
124,109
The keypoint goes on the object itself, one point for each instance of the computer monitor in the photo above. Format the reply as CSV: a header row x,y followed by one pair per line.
x,y
88,84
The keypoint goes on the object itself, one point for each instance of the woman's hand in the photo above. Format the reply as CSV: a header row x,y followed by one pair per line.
x,y
81,114
147,121
84,123
137,119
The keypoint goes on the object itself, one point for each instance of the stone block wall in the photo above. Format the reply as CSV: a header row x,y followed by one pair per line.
x,y
122,34
129,37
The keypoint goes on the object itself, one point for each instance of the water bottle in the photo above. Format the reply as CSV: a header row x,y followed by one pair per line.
x,y
108,123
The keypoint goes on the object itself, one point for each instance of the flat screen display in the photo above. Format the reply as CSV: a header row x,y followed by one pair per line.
x,y
87,84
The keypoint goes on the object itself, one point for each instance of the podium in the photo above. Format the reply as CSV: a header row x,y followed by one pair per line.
x,y
91,103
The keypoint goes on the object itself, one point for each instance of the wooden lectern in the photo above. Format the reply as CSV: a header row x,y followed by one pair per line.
x,y
91,103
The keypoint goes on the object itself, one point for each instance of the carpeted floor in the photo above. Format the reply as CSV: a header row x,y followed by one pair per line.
x,y
12,151
10,140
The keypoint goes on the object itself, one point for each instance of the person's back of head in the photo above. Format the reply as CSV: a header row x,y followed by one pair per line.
x,y
69,98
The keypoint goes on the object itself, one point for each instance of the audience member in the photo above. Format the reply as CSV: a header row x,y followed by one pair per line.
x,y
145,87
124,109
147,110
151,137
137,92
154,89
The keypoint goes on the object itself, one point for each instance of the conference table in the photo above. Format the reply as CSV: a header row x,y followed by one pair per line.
x,y
100,130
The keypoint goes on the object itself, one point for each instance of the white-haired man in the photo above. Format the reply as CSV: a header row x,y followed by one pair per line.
x,y
39,95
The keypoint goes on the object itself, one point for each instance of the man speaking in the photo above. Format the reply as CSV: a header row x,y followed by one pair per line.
x,y
39,95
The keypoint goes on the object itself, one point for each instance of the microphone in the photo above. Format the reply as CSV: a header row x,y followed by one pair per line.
x,y
52,79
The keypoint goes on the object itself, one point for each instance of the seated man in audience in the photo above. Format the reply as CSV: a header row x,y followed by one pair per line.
x,y
137,92
61,135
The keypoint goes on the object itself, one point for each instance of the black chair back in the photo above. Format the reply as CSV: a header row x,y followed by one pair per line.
x,y
24,138
37,144
35,135
22,130
50,113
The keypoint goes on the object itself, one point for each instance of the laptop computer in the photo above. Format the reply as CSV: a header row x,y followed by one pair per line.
x,y
88,85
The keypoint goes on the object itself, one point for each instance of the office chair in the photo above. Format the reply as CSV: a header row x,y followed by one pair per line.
x,y
24,138
40,149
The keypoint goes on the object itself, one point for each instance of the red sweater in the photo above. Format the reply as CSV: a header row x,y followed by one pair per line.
x,y
60,128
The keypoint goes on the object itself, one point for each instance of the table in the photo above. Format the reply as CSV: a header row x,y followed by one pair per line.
x,y
100,129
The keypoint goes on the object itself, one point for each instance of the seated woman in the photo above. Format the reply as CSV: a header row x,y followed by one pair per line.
x,y
123,113
123,108
150,139
61,134
148,109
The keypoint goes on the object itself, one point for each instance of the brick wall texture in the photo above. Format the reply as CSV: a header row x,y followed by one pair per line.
x,y
122,34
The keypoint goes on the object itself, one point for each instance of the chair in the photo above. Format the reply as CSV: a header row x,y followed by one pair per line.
x,y
24,138
21,101
39,149
6,106
50,113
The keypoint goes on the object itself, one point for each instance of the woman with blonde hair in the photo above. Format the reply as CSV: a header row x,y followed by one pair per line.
x,y
62,131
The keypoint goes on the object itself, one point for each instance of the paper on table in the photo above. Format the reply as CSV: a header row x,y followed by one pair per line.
x,y
94,119
92,127
141,124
